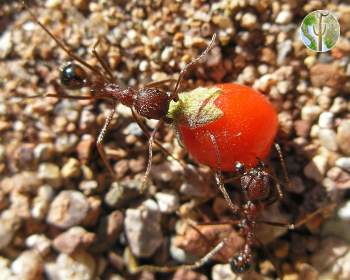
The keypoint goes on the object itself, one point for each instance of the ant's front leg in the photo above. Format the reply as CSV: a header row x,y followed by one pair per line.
x,y
100,138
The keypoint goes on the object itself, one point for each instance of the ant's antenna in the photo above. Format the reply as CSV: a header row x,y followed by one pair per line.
x,y
189,65
61,45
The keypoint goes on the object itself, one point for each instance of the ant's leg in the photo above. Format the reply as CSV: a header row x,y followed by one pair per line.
x,y
278,188
303,221
62,45
53,95
232,179
101,61
150,155
161,82
197,264
189,65
218,177
234,208
275,179
65,96
146,132
99,142
283,163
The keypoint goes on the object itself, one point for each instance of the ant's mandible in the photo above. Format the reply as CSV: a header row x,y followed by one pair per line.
x,y
149,102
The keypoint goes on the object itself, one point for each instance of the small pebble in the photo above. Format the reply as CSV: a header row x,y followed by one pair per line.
x,y
316,168
69,208
78,266
310,113
73,239
28,265
343,137
142,228
39,243
120,193
328,139
109,229
284,17
344,212
50,173
168,202
343,163
44,151
71,169
249,21
326,120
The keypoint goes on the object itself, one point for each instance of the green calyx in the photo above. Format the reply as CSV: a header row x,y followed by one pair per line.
x,y
195,107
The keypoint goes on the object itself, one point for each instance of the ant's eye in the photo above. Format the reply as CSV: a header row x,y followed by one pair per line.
x,y
73,76
239,167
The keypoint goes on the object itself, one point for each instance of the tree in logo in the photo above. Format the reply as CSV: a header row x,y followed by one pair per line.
x,y
319,31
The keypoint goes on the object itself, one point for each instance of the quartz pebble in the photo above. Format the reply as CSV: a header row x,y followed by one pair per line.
x,y
316,168
328,139
71,169
326,120
142,228
168,201
343,137
343,163
77,266
73,239
28,265
50,173
108,231
39,243
344,212
69,208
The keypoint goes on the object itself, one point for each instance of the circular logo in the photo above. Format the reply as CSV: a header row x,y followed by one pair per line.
x,y
320,31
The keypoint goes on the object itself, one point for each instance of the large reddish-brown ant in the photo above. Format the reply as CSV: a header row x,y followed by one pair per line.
x,y
150,101
256,186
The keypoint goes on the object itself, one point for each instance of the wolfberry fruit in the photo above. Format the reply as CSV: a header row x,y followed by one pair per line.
x,y
242,121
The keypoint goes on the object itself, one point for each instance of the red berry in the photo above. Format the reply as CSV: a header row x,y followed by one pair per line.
x,y
242,120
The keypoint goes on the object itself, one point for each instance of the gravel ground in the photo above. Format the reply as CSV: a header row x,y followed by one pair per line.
x,y
61,214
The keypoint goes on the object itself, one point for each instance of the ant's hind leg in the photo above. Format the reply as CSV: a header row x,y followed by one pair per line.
x,y
197,264
322,210
189,65
100,138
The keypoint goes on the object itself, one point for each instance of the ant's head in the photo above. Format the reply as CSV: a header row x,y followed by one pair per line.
x,y
73,76
240,263
239,167
260,164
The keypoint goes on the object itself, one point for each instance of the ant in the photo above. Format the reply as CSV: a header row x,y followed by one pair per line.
x,y
149,102
256,187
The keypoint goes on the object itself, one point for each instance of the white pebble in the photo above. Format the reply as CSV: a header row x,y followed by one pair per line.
x,y
343,163
344,212
316,168
328,139
168,202
326,120
284,17
310,112
249,21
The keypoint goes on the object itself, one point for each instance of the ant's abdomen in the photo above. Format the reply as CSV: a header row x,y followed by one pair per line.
x,y
152,103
